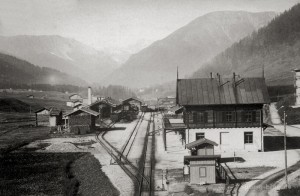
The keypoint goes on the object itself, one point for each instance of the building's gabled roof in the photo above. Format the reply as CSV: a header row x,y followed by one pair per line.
x,y
84,109
41,109
176,109
55,112
209,91
74,95
108,101
88,110
200,142
132,98
75,106
112,101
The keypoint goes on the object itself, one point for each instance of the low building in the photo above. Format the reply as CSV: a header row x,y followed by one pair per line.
x,y
82,121
42,117
55,117
132,101
73,103
202,162
226,111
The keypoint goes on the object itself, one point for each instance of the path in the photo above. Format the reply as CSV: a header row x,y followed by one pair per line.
x,y
275,118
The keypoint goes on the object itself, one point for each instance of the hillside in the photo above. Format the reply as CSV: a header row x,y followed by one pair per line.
x,y
276,47
13,105
17,71
188,47
60,53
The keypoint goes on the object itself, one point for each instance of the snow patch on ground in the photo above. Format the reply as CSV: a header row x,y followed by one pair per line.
x,y
173,157
268,159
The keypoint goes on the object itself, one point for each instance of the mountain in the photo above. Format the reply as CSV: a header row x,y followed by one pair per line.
x,y
188,47
275,47
60,53
16,71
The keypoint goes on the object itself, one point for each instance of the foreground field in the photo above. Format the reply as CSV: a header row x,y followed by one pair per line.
x,y
34,173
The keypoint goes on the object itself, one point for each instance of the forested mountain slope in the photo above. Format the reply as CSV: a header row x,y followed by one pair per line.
x,y
275,47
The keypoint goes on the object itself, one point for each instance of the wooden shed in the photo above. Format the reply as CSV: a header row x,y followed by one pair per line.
x,y
202,161
82,121
42,117
55,117
132,101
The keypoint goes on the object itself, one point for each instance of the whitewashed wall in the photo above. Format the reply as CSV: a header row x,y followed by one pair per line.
x,y
234,138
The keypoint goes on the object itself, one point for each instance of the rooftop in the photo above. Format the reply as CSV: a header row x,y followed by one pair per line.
x,y
211,91
200,142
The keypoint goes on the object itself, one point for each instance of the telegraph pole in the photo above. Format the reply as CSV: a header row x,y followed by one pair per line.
x,y
285,153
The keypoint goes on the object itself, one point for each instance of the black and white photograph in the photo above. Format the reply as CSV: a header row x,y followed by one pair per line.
x,y
150,97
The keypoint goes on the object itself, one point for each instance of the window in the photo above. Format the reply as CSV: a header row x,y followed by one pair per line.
x,y
199,136
248,117
202,172
198,117
229,116
248,137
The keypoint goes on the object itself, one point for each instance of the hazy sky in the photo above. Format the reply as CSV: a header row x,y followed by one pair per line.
x,y
116,24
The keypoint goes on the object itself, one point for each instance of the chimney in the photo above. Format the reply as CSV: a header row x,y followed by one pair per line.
x,y
234,77
297,86
89,95
219,77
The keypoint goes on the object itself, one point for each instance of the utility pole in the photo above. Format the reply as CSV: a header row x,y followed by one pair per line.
x,y
285,153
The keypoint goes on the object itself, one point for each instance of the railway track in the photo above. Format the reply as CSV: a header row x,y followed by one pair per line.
x,y
141,175
129,142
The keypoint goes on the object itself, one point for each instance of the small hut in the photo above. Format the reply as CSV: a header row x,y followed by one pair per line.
x,y
82,121
42,117
55,117
132,101
202,161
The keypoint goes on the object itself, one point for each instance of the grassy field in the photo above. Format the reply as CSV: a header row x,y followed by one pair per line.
x,y
20,136
41,99
35,173
92,181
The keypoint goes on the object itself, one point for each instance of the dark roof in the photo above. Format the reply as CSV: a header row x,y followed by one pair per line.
x,y
55,112
132,98
111,103
297,70
77,105
207,91
176,109
200,142
41,109
88,110
172,126
199,157
85,109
